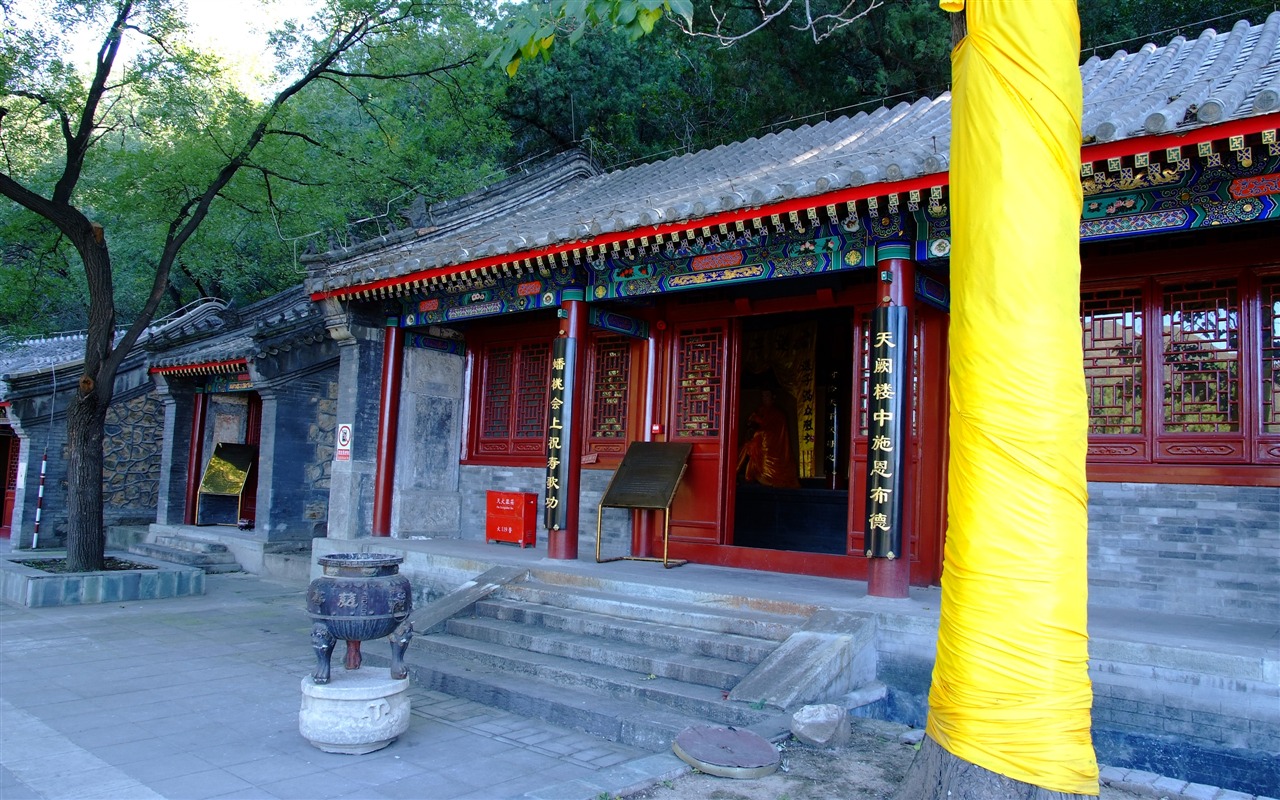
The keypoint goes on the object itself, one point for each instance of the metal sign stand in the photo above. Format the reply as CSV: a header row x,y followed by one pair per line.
x,y
648,478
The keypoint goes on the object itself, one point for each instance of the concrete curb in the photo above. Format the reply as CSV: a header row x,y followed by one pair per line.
x,y
1150,784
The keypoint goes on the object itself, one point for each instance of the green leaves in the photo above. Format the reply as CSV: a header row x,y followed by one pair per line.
x,y
531,30
173,118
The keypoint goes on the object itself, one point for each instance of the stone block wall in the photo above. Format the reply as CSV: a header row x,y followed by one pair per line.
x,y
1186,549
426,502
132,441
318,471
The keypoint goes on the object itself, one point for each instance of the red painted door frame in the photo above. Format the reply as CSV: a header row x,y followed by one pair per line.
x,y
9,450
702,513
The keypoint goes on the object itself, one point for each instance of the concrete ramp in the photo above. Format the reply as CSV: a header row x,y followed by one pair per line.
x,y
431,617
834,654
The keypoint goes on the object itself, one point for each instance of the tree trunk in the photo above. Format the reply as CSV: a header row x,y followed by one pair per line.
x,y
87,414
86,537
935,773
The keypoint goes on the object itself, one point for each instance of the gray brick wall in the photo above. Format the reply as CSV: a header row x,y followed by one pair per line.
x,y
477,480
1186,549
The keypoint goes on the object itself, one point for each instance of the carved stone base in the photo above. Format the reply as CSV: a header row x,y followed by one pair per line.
x,y
355,713
935,774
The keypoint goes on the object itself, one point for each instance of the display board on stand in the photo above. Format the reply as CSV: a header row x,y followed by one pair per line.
x,y
647,479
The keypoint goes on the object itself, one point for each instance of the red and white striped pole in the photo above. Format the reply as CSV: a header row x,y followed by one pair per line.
x,y
35,538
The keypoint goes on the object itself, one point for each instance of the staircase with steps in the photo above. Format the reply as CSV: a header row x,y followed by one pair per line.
x,y
210,556
632,670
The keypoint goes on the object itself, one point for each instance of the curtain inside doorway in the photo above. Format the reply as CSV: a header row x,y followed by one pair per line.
x,y
788,352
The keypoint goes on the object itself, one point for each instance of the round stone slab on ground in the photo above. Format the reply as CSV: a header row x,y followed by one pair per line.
x,y
357,712
727,752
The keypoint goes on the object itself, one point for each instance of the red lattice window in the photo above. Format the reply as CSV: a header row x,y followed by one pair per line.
x,y
14,448
699,382
1270,339
610,380
498,392
533,381
1200,341
512,399
1113,358
1180,370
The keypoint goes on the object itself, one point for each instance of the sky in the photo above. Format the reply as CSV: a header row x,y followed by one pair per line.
x,y
235,29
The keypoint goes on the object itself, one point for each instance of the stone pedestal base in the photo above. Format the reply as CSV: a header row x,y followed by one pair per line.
x,y
356,712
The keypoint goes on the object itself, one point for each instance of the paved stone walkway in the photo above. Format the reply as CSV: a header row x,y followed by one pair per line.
x,y
198,697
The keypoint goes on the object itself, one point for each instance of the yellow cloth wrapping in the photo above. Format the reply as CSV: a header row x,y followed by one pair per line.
x,y
1011,688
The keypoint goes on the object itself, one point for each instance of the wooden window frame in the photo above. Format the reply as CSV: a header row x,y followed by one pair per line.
x,y
598,452
1247,456
608,451
508,450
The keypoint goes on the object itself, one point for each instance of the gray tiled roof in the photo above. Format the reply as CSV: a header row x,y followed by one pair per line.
x,y
1184,85
224,334
40,353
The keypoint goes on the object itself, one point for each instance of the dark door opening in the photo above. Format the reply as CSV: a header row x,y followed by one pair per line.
x,y
791,480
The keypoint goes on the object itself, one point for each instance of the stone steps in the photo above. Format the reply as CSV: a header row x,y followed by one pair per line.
x,y
655,609
655,635
212,557
689,668
634,670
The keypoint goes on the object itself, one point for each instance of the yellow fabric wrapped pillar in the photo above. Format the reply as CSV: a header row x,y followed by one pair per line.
x,y
1011,690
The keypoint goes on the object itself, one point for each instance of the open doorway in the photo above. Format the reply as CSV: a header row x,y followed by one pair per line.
x,y
791,481
9,452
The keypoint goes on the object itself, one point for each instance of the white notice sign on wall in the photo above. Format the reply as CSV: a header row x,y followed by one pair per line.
x,y
343,452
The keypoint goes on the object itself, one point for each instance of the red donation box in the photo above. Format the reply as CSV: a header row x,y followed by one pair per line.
x,y
511,517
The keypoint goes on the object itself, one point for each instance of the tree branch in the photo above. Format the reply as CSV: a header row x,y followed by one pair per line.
x,y
78,144
390,76
193,212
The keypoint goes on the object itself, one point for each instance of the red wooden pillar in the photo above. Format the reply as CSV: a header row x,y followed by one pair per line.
x,y
562,543
195,456
642,521
895,286
384,475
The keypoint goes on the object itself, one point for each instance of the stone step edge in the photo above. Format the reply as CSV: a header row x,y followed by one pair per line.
x,y
548,641
179,542
1150,784
615,719
623,606
209,562
705,642
595,679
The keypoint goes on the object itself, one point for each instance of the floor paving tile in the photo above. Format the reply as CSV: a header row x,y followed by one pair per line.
x,y
200,785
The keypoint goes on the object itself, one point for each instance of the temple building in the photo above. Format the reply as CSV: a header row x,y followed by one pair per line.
x,y
753,301
223,422
249,400
38,379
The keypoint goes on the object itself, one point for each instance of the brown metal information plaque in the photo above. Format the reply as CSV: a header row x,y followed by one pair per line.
x,y
648,476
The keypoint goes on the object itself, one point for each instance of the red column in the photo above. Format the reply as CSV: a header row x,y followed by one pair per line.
x,y
563,543
384,475
195,457
895,286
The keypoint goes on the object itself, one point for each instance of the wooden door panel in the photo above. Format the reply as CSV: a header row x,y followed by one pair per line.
x,y
696,416
695,513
